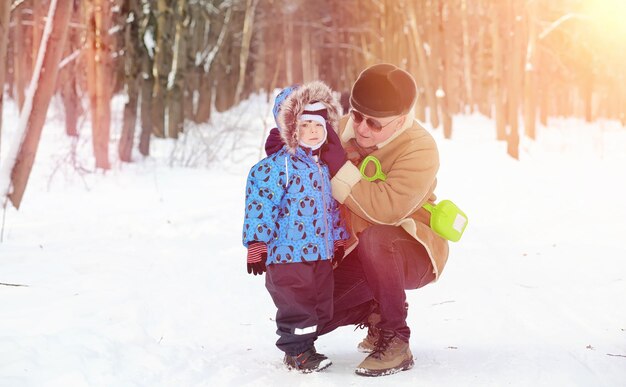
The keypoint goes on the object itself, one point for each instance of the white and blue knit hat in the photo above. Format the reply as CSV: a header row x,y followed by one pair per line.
x,y
315,111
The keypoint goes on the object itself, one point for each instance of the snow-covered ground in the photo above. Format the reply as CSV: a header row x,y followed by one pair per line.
x,y
136,277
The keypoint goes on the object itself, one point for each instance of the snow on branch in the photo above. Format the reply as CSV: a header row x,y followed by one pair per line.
x,y
555,24
16,4
210,56
68,59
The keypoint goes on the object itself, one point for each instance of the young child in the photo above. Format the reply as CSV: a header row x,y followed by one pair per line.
x,y
292,226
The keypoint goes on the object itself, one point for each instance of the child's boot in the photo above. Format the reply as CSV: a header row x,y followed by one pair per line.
x,y
307,361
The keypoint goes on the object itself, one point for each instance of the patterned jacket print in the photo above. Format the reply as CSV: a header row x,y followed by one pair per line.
x,y
289,207
289,203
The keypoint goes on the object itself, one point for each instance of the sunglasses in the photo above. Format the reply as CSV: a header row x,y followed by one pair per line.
x,y
373,124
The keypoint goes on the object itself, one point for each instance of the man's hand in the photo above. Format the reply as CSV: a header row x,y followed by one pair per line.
x,y
339,252
257,254
332,152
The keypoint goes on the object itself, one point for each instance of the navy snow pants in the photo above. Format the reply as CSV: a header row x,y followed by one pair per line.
x,y
303,294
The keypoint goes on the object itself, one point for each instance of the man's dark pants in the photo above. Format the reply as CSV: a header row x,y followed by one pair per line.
x,y
386,261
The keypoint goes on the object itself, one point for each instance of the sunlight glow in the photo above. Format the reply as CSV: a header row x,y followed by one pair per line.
x,y
608,17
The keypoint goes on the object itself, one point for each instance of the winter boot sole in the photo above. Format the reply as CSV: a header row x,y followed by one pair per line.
x,y
404,366
323,365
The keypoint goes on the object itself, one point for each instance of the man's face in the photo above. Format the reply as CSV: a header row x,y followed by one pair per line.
x,y
370,131
310,132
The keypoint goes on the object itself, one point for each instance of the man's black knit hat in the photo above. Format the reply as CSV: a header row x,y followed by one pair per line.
x,y
383,90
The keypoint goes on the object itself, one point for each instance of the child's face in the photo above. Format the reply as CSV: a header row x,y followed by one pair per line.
x,y
310,132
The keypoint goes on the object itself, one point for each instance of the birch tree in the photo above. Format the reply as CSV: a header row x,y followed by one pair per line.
x,y
181,59
20,161
248,26
145,55
219,25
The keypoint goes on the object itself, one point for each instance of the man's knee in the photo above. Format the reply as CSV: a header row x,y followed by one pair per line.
x,y
375,235
375,241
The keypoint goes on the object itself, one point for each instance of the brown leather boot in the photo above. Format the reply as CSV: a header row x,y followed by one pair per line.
x,y
369,342
391,355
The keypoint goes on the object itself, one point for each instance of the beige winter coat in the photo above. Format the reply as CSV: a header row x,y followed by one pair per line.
x,y
410,160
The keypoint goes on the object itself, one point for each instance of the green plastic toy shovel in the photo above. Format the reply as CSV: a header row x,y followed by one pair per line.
x,y
447,220
378,174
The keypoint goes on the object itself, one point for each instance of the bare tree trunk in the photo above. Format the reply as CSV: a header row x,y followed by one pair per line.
x,y
147,85
288,37
306,55
176,79
36,31
514,83
498,76
225,82
146,81
58,20
621,106
104,85
544,106
19,57
194,69
481,71
587,91
260,46
530,81
68,81
274,79
420,105
383,31
131,74
205,98
99,78
434,61
393,34
5,8
370,52
424,73
467,63
71,102
447,48
248,26
161,66
209,66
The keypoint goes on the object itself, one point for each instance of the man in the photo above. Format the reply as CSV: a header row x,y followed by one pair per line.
x,y
392,248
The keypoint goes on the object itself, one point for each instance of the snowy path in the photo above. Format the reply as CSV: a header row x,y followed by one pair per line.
x,y
140,281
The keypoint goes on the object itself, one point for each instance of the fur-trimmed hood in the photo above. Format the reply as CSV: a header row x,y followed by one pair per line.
x,y
293,106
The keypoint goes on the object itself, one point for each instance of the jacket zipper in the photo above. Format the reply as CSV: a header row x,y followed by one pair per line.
x,y
328,252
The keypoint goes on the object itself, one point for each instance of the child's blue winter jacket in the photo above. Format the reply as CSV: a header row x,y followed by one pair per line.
x,y
290,208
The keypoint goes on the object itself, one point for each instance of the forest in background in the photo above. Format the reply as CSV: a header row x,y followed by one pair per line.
x,y
176,62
